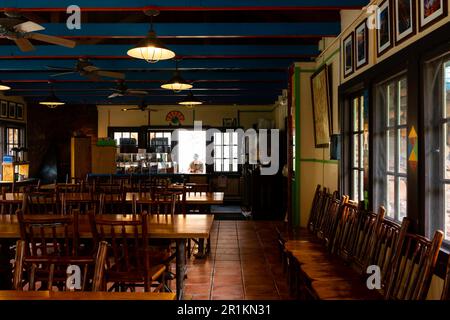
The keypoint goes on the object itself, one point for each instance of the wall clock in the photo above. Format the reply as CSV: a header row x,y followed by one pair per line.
x,y
175,117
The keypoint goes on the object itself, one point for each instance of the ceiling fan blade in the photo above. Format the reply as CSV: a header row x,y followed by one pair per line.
x,y
59,68
24,44
115,95
111,74
93,77
90,68
61,74
28,26
51,39
137,92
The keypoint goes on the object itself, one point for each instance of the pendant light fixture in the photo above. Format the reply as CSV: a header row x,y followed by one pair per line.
x,y
151,49
190,101
3,86
52,101
177,83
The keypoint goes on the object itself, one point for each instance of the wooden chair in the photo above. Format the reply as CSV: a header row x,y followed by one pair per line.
x,y
41,203
7,206
413,266
51,272
112,203
315,207
62,188
131,261
446,291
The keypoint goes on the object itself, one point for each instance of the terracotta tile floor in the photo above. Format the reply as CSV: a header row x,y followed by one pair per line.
x,y
243,264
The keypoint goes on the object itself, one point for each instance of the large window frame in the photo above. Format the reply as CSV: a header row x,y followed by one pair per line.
x,y
226,152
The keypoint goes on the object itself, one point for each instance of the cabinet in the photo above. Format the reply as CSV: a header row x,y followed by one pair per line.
x,y
80,157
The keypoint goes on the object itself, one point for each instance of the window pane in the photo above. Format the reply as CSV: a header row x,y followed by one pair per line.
x,y
356,150
403,101
117,136
235,152
403,146
391,104
390,196
235,165
390,135
446,139
355,115
218,138
447,212
226,164
218,165
402,189
361,185
134,135
447,89
226,138
218,152
356,185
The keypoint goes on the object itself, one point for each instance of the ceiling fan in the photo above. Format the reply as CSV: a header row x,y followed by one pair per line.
x,y
20,30
122,90
142,107
87,69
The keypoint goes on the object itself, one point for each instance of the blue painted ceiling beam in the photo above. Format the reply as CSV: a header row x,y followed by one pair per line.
x,y
135,64
232,29
164,4
181,50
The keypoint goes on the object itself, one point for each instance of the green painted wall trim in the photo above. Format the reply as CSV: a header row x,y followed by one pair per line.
x,y
296,185
320,161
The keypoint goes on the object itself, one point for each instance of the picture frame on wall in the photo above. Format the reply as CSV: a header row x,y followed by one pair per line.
x,y
3,109
431,11
361,45
348,54
19,111
405,19
227,122
384,28
321,107
12,110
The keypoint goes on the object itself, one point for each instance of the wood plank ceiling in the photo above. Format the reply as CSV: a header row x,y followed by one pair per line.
x,y
234,52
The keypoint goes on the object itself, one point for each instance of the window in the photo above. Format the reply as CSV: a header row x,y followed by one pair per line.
x,y
392,145
191,155
226,152
14,139
360,148
437,145
126,135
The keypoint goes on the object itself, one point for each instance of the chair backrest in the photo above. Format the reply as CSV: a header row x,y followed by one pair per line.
x,y
162,202
42,203
316,207
7,206
62,188
112,203
49,235
51,272
446,290
128,245
366,231
346,231
329,222
86,203
413,266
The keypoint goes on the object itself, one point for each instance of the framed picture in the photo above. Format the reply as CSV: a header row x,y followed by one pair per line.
x,y
19,111
227,122
321,107
405,19
362,45
348,44
384,28
431,11
3,109
12,110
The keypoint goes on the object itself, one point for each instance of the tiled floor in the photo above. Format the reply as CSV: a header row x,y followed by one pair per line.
x,y
243,264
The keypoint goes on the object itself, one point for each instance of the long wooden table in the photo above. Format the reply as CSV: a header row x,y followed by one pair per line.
x,y
64,295
198,198
177,227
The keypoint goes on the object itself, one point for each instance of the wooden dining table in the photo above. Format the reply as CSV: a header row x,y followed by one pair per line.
x,y
192,198
177,228
85,295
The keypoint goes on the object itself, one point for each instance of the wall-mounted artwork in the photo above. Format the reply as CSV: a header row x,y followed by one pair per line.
x,y
405,19
175,117
431,11
19,111
384,28
12,110
348,55
4,109
362,45
321,107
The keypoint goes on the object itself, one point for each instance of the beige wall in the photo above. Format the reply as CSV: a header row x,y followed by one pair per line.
x,y
110,115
